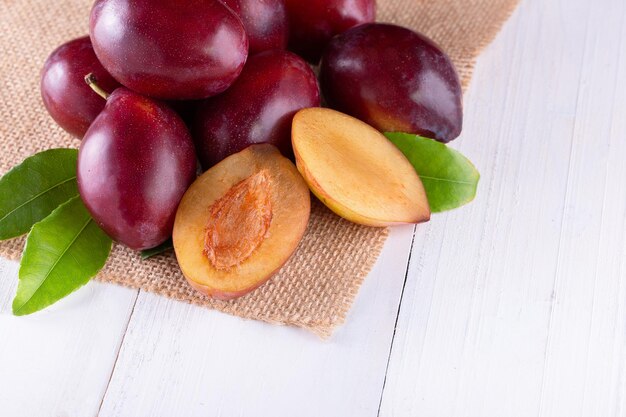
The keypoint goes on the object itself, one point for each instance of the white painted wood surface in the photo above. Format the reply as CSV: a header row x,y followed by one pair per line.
x,y
58,362
516,305
187,358
512,306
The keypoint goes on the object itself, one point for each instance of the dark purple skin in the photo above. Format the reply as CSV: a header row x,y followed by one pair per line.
x,y
313,23
265,22
134,165
169,49
395,80
258,108
66,96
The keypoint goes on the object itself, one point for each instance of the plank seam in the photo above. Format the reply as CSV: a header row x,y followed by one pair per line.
x,y
117,354
395,325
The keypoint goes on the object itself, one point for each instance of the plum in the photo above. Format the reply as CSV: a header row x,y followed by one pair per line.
x,y
393,79
171,50
134,165
313,23
265,22
240,221
70,102
258,108
356,171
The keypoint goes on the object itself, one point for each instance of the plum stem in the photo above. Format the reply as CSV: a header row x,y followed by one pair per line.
x,y
92,82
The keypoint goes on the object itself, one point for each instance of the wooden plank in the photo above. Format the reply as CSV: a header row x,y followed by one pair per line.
x,y
184,360
58,362
586,347
515,306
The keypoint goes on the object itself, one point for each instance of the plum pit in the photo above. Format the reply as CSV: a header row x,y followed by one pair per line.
x,y
239,222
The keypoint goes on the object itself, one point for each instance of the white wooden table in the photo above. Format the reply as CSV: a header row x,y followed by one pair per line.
x,y
512,306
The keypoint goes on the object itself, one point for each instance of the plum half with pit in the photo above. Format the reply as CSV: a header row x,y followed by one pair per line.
x,y
313,23
134,165
258,108
171,50
240,221
265,22
395,80
70,102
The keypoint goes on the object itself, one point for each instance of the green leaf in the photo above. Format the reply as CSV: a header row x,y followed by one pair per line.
x,y
33,189
449,178
163,247
62,253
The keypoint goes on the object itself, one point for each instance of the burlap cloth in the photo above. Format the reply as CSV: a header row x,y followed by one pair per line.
x,y
318,285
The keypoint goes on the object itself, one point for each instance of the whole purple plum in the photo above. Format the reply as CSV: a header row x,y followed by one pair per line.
x,y
394,79
134,165
66,96
258,108
313,23
169,49
265,22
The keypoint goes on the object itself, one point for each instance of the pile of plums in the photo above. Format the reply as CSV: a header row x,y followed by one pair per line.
x,y
173,82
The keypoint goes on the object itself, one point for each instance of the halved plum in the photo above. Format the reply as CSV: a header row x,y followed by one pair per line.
x,y
356,171
240,222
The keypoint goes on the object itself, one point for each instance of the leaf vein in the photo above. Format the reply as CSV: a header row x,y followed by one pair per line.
x,y
447,180
89,220
36,197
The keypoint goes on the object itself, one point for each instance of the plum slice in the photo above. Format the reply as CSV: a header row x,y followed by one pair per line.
x,y
355,171
240,222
